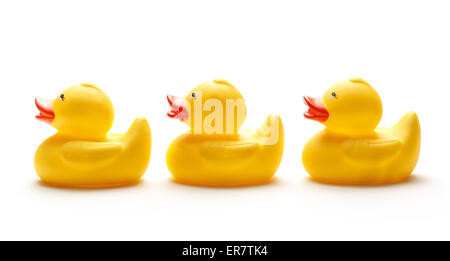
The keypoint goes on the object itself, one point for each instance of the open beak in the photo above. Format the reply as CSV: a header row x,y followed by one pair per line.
x,y
45,107
316,111
178,108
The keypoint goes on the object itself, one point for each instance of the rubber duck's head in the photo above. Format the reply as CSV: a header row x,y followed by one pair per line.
x,y
212,108
350,107
81,111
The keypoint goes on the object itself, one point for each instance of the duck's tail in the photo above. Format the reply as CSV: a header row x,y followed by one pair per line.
x,y
138,137
407,130
272,131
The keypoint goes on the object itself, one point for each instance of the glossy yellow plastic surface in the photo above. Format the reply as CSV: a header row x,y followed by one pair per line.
x,y
81,154
351,150
243,158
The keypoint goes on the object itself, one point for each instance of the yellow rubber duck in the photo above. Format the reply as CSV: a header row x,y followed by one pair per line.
x,y
81,154
213,152
351,149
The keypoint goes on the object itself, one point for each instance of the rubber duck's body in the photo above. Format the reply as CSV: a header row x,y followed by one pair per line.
x,y
81,154
216,154
351,150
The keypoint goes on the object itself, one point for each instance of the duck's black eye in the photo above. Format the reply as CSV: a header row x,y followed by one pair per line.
x,y
333,94
61,97
193,95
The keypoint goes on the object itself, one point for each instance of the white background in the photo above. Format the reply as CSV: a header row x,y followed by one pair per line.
x,y
274,52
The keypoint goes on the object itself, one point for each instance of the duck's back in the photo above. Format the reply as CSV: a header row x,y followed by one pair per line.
x,y
389,155
112,161
230,162
407,131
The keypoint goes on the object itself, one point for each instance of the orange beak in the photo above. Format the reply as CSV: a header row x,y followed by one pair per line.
x,y
45,107
178,108
316,110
